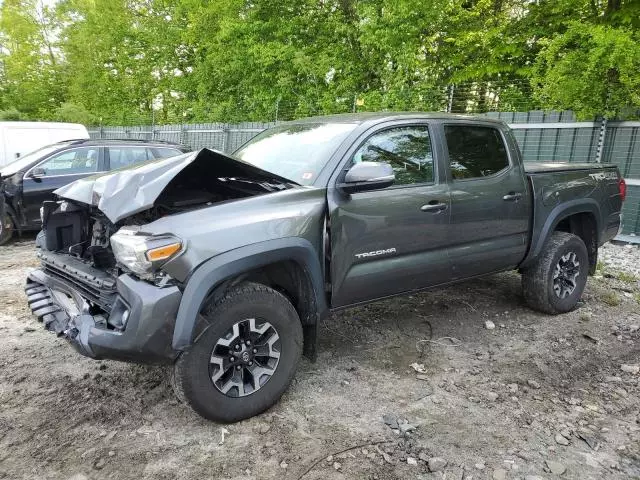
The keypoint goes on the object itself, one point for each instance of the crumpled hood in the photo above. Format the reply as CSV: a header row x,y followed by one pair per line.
x,y
127,191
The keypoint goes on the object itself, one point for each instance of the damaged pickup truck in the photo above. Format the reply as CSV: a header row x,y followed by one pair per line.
x,y
224,265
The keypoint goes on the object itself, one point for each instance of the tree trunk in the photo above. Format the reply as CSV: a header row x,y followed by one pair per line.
x,y
613,6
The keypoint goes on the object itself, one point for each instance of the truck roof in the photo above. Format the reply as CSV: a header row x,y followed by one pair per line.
x,y
376,117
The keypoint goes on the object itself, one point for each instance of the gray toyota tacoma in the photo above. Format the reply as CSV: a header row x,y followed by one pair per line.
x,y
223,265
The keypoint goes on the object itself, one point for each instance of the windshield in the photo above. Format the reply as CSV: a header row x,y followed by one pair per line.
x,y
26,160
297,152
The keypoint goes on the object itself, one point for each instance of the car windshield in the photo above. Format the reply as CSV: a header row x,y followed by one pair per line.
x,y
297,152
26,160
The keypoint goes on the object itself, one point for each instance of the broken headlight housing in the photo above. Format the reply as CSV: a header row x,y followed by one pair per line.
x,y
143,253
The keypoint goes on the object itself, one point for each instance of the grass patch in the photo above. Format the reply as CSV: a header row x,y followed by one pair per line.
x,y
611,298
627,277
636,297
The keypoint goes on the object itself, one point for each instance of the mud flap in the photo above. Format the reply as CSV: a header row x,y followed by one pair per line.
x,y
310,339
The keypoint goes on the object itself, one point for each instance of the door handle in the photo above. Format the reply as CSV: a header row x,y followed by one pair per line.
x,y
434,207
512,197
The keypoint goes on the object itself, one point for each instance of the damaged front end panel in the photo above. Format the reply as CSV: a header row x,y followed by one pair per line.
x,y
83,293
101,283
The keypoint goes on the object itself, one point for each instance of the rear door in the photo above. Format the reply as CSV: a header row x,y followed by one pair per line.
x,y
392,240
490,201
58,170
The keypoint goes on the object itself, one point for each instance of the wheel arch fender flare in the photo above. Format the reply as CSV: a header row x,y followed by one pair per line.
x,y
558,214
213,272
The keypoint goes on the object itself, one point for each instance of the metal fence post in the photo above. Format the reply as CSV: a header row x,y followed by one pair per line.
x,y
183,134
601,139
226,138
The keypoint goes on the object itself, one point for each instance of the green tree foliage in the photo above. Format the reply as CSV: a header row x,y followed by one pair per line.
x,y
137,61
11,114
69,112
593,68
125,57
31,77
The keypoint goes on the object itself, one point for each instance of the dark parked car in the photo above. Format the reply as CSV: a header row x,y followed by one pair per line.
x,y
224,265
30,180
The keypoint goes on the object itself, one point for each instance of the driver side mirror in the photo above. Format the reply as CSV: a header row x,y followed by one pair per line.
x,y
37,172
365,176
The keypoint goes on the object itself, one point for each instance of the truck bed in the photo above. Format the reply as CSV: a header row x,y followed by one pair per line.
x,y
592,187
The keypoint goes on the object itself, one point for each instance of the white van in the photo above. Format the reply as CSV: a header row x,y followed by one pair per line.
x,y
20,138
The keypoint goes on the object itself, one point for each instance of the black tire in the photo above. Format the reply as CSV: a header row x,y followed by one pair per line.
x,y
551,295
193,375
6,229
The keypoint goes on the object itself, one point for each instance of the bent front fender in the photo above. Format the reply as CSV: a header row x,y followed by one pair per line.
x,y
214,271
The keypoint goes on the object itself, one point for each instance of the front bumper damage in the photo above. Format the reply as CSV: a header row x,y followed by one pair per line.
x,y
103,317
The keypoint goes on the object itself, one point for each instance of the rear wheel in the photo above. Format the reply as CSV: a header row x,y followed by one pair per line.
x,y
555,282
6,229
245,360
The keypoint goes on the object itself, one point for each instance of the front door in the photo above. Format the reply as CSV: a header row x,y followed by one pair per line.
x,y
392,240
489,201
55,172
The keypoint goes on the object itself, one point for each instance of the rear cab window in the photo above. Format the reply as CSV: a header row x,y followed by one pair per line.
x,y
475,151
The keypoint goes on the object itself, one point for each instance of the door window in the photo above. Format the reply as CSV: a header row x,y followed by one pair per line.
x,y
406,149
120,157
474,151
76,161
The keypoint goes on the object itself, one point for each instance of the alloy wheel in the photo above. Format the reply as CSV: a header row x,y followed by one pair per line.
x,y
245,358
565,273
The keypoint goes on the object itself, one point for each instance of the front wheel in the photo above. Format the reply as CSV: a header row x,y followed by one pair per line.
x,y
555,282
247,357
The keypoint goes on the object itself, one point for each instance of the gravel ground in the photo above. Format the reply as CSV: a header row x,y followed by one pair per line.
x,y
624,257
530,397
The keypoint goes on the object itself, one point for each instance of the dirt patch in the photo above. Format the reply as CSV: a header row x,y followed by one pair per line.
x,y
533,396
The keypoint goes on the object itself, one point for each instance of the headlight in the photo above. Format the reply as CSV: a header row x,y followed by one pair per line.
x,y
143,253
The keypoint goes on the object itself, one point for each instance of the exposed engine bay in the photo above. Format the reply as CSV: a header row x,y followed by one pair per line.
x,y
84,232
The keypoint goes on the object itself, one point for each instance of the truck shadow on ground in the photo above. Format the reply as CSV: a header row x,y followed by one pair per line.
x,y
453,314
